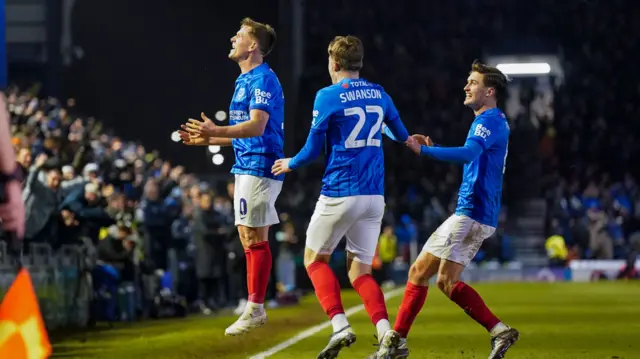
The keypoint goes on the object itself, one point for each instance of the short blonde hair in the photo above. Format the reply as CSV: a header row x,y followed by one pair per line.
x,y
264,34
347,52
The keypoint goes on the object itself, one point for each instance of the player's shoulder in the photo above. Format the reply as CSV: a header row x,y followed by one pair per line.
x,y
493,114
495,117
327,92
374,85
264,74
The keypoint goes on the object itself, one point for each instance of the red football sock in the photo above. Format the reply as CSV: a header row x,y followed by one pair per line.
x,y
247,255
412,303
327,288
260,271
372,297
471,302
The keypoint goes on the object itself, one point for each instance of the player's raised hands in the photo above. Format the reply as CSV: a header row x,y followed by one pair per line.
x,y
204,128
281,166
189,139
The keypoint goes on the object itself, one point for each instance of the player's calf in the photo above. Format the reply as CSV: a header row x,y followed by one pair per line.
x,y
415,294
472,304
327,288
259,263
371,294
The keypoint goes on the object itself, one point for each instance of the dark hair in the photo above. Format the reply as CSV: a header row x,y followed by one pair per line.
x,y
492,77
264,34
347,52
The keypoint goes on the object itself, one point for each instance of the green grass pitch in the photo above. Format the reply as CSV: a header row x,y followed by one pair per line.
x,y
556,321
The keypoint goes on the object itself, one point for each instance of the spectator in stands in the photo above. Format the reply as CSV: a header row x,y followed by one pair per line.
x,y
117,251
23,157
209,238
600,241
69,177
286,240
41,203
157,221
115,266
387,251
182,250
84,214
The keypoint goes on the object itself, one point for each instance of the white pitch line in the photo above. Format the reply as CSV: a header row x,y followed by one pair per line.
x,y
318,328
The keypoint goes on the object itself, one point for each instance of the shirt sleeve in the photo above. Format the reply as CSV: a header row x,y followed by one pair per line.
x,y
393,126
263,92
322,112
485,131
315,141
465,154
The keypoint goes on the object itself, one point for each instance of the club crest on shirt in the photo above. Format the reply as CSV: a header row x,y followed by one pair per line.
x,y
240,94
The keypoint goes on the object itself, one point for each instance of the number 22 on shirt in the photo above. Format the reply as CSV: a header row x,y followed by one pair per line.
x,y
361,114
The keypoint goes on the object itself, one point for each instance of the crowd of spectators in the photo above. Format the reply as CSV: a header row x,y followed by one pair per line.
x,y
589,149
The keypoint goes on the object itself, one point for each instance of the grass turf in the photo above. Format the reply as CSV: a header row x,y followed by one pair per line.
x,y
556,321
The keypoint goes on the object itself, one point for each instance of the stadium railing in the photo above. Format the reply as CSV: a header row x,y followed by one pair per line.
x,y
63,292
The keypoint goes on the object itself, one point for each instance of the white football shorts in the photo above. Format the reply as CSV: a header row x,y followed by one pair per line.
x,y
358,218
254,201
458,239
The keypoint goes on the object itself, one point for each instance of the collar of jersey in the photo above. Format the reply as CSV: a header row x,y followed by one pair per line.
x,y
492,112
348,80
263,67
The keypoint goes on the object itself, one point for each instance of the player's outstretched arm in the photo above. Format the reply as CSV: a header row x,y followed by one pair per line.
x,y
393,126
322,111
307,154
463,155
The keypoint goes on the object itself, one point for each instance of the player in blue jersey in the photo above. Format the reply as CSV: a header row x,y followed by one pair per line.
x,y
347,121
256,133
454,244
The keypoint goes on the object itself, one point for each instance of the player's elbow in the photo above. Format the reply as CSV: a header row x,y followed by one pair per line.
x,y
258,123
253,129
466,160
256,131
470,154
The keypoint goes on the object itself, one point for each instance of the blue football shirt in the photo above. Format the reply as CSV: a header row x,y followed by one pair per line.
x,y
480,193
258,89
350,114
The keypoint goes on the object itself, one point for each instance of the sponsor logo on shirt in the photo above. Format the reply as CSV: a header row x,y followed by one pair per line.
x,y
240,94
261,97
482,131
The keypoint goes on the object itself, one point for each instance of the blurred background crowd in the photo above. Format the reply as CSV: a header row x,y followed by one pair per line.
x,y
159,228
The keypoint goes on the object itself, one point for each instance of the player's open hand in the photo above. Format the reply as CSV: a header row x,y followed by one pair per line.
x,y
204,128
281,166
189,139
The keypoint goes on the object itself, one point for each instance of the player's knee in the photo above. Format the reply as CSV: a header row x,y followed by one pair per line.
x,y
250,236
357,269
311,257
418,272
445,282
